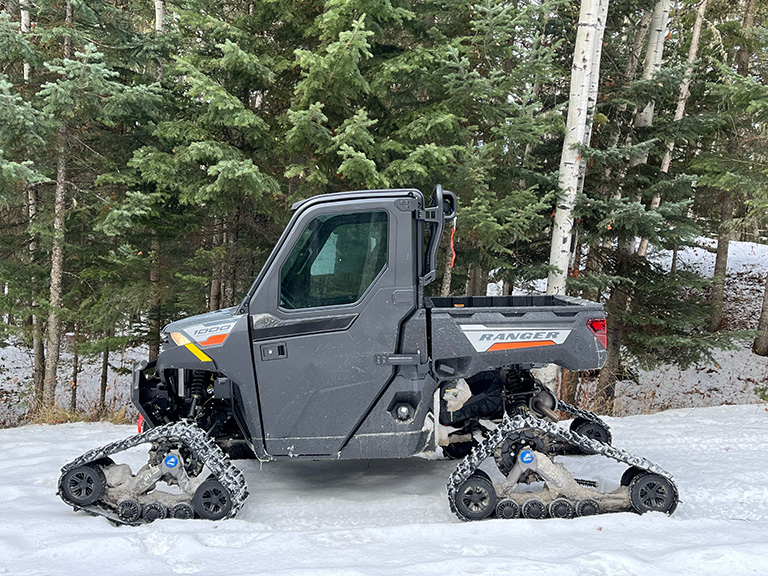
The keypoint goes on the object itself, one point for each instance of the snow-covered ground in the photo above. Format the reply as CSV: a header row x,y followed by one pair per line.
x,y
391,516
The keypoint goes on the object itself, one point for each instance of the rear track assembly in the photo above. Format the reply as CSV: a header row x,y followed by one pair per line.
x,y
517,445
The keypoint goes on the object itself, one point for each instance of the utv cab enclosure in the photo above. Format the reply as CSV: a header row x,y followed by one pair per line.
x,y
335,352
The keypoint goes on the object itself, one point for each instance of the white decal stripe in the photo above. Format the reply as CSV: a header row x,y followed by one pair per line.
x,y
483,337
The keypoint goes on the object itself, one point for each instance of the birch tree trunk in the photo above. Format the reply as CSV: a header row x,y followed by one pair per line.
x,y
590,33
721,262
160,29
38,336
53,347
103,380
214,302
24,26
445,288
155,295
594,80
653,57
682,101
727,200
159,16
760,345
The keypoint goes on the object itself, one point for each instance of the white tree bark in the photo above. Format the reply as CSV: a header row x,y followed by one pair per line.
x,y
682,101
38,346
159,16
585,67
652,64
594,76
594,82
24,26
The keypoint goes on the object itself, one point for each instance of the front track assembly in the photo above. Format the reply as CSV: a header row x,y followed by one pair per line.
x,y
519,448
203,481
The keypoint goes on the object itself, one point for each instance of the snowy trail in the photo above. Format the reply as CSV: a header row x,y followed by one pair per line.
x,y
391,517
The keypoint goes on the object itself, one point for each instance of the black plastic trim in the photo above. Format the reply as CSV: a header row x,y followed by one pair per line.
x,y
304,327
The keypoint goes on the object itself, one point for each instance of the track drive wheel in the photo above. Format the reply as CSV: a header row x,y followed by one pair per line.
x,y
212,500
476,497
83,485
506,454
652,493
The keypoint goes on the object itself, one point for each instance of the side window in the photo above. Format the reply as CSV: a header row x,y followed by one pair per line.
x,y
336,259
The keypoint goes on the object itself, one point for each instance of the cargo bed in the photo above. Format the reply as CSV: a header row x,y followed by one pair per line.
x,y
474,333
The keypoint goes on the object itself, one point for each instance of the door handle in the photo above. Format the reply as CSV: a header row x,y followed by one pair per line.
x,y
274,351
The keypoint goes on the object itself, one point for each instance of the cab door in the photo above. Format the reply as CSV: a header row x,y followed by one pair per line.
x,y
329,309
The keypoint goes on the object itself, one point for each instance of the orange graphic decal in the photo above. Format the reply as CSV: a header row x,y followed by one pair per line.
x,y
515,345
213,340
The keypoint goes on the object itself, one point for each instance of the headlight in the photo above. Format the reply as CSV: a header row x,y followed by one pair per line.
x,y
179,338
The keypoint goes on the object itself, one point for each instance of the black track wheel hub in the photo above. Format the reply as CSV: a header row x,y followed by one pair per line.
x,y
587,507
592,430
507,509
652,493
83,485
475,498
182,512
155,511
129,510
561,508
534,509
212,500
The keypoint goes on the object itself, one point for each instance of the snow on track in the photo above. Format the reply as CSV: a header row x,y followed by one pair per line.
x,y
391,517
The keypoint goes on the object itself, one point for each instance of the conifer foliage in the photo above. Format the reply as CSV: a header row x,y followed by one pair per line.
x,y
149,154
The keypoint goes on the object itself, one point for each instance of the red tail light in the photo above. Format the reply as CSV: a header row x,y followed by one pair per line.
x,y
599,329
140,424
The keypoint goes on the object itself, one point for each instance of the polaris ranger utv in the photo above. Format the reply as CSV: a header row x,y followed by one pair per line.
x,y
335,352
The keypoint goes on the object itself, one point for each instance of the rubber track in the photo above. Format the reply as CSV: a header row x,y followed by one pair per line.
x,y
511,426
194,438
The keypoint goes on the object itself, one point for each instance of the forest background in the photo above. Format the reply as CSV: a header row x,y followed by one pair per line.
x,y
150,153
